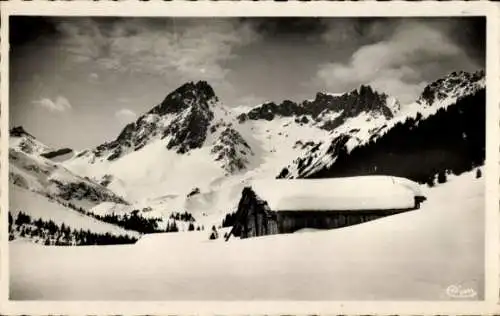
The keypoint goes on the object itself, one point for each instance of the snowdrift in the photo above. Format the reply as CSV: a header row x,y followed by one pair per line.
x,y
350,193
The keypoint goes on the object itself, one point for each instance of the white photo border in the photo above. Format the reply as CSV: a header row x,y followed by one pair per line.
x,y
244,8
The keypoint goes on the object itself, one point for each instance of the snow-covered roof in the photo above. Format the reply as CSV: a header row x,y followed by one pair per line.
x,y
350,193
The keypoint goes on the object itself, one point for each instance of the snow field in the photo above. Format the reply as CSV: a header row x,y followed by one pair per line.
x,y
410,256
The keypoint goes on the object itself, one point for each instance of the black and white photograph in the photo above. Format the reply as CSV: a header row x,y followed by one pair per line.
x,y
259,158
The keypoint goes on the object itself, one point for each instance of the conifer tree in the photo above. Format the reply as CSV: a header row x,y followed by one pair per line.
x,y
214,234
441,177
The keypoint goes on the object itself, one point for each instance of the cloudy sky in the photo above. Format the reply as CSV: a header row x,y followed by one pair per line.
x,y
77,81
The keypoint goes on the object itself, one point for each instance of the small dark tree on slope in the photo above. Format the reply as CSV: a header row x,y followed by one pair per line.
x,y
478,173
441,177
172,227
11,221
214,234
22,219
430,181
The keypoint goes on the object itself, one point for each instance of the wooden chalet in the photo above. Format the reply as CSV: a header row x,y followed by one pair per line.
x,y
285,206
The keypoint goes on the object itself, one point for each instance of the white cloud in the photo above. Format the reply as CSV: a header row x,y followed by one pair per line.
x,y
60,104
125,115
397,63
192,50
94,77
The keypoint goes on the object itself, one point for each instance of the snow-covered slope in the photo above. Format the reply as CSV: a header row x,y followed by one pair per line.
x,y
48,178
423,252
43,189
184,142
20,140
41,207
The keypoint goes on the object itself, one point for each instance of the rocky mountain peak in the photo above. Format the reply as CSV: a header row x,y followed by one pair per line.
x,y
199,94
365,90
19,131
182,119
365,98
23,141
453,85
350,104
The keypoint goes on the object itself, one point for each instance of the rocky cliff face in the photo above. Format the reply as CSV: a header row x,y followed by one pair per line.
x,y
232,150
328,111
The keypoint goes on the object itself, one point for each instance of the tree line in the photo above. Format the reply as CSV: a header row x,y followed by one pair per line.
x,y
133,221
186,217
50,233
136,222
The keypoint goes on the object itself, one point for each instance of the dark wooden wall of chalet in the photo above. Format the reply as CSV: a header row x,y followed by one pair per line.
x,y
261,223
255,217
291,221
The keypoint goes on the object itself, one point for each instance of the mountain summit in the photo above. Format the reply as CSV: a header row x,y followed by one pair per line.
x,y
199,94
452,86
19,131
181,119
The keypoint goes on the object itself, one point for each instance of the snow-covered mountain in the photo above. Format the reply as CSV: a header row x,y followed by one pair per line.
x,y
192,153
29,169
191,132
22,141
448,89
364,129
48,204
191,141
328,111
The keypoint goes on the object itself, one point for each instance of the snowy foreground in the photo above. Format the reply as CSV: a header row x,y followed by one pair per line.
x,y
411,256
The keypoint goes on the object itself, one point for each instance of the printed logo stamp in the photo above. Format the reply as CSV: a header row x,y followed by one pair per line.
x,y
460,291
